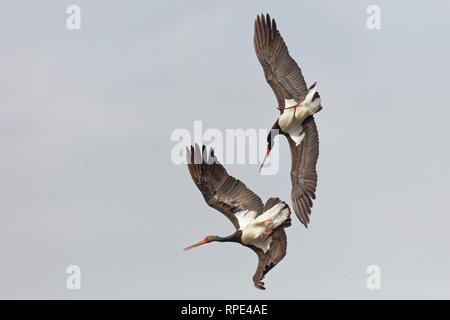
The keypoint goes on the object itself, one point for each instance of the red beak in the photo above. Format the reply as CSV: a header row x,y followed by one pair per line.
x,y
195,245
267,153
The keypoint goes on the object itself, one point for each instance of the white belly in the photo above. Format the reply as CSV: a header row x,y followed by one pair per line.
x,y
291,120
252,227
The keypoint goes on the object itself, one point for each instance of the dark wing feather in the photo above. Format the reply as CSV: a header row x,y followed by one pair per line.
x,y
281,71
303,171
221,191
268,260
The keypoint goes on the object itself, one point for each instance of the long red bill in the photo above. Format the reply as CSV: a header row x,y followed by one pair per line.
x,y
195,245
262,164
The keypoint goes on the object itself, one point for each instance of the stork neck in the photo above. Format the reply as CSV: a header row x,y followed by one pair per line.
x,y
276,126
274,131
231,238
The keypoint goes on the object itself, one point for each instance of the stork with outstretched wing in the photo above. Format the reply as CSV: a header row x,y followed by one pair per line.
x,y
258,227
297,104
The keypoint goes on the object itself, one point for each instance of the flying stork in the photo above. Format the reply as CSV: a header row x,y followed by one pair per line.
x,y
258,227
297,104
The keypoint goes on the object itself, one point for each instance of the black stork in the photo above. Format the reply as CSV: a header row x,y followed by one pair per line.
x,y
297,104
258,227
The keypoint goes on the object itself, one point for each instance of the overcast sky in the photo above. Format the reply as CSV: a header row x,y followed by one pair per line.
x,y
86,176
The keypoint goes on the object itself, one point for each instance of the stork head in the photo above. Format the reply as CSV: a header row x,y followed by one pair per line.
x,y
206,240
274,131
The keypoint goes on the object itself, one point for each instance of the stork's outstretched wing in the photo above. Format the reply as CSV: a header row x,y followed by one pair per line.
x,y
276,252
303,170
221,191
281,71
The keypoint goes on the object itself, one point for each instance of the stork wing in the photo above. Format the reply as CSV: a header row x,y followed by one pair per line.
x,y
276,252
281,71
221,191
268,260
303,170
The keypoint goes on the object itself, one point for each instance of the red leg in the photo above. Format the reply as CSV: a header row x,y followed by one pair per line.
x,y
268,222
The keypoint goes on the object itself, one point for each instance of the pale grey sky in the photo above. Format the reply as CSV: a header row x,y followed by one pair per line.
x,y
86,176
